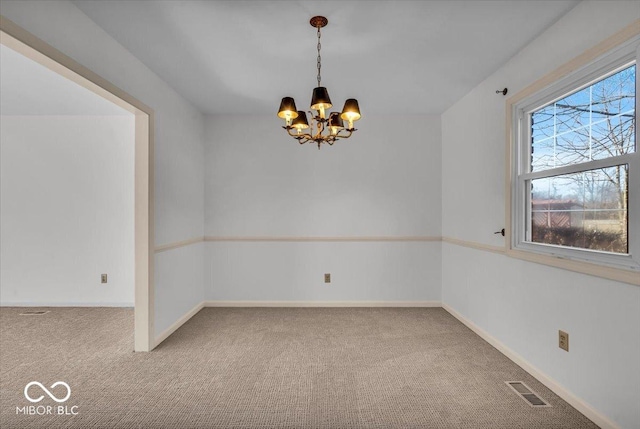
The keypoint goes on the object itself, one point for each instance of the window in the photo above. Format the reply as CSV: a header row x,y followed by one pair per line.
x,y
576,167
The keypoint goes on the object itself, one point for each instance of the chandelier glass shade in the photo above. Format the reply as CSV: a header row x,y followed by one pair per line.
x,y
325,127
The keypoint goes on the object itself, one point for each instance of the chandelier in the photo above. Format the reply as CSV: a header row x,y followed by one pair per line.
x,y
323,128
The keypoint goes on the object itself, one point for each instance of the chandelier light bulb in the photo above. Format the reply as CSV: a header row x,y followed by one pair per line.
x,y
300,122
350,111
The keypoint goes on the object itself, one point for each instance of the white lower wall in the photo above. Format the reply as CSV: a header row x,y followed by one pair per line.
x,y
294,271
523,305
66,212
179,284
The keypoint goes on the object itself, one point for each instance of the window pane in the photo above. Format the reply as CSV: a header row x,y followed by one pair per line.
x,y
587,210
593,123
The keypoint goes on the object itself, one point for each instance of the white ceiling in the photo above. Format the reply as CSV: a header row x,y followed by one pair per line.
x,y
29,88
395,57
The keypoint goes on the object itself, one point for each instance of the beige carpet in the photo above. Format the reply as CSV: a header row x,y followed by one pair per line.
x,y
267,368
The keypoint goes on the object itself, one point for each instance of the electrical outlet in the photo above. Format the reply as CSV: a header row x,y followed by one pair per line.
x,y
327,278
563,340
103,278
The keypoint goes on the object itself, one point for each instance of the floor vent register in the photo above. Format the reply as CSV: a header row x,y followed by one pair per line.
x,y
529,396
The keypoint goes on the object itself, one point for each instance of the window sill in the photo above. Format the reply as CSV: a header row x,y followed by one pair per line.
x,y
611,273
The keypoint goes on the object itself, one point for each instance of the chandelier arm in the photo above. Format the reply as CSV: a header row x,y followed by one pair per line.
x,y
319,137
345,136
298,136
289,131
305,137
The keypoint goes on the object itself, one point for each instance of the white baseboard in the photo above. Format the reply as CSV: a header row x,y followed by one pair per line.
x,y
67,304
586,409
178,323
322,304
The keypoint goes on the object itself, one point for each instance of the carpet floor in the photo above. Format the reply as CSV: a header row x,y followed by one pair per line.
x,y
266,368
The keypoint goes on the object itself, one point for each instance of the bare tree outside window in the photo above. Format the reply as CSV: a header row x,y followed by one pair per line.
x,y
586,209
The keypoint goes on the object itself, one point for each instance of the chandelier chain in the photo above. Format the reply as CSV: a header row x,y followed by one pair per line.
x,y
319,57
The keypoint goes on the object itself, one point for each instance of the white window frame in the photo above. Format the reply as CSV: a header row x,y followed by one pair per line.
x,y
518,207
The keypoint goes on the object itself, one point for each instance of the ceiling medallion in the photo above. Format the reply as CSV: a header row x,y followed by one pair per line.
x,y
324,128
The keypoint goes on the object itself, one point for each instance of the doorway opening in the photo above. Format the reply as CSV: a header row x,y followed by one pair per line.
x,y
20,41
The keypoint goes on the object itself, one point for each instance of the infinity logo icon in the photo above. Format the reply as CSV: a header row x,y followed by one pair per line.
x,y
45,390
